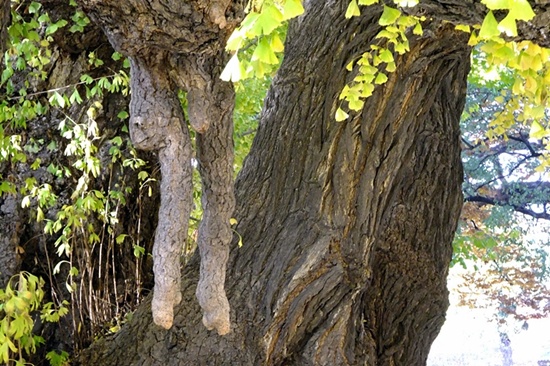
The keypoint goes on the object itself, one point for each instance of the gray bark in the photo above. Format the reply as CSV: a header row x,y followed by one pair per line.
x,y
157,123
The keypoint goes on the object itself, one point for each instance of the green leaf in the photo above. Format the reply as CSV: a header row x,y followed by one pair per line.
x,y
381,78
270,19
352,10
292,9
264,53
120,239
122,115
537,131
418,29
496,4
489,28
34,7
341,115
508,26
389,16
368,2
386,56
521,10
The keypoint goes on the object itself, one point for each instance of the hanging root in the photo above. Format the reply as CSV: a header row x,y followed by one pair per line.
x,y
157,124
210,289
215,157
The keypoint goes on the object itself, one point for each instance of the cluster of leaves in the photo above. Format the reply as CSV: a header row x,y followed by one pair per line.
x,y
19,302
506,195
523,64
88,216
393,40
259,39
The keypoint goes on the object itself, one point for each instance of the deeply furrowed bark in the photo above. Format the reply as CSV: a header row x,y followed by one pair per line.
x,y
346,226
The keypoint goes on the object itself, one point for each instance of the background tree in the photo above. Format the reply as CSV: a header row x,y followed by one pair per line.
x,y
503,230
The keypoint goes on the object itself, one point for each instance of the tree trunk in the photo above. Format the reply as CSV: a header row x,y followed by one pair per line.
x,y
347,227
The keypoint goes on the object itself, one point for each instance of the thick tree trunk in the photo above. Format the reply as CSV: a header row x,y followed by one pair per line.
x,y
347,227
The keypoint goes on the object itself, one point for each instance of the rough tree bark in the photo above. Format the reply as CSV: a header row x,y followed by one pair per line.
x,y
347,226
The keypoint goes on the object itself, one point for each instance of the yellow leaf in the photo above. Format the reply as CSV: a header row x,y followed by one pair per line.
x,y
508,26
341,115
537,131
292,9
464,28
353,9
276,43
489,27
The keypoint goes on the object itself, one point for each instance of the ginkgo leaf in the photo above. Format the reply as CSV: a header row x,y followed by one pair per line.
x,y
489,28
235,41
381,78
537,131
292,9
367,2
270,19
521,10
496,4
389,16
508,26
355,104
386,56
341,115
248,26
264,53
353,9
232,71
276,43
462,27
418,29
